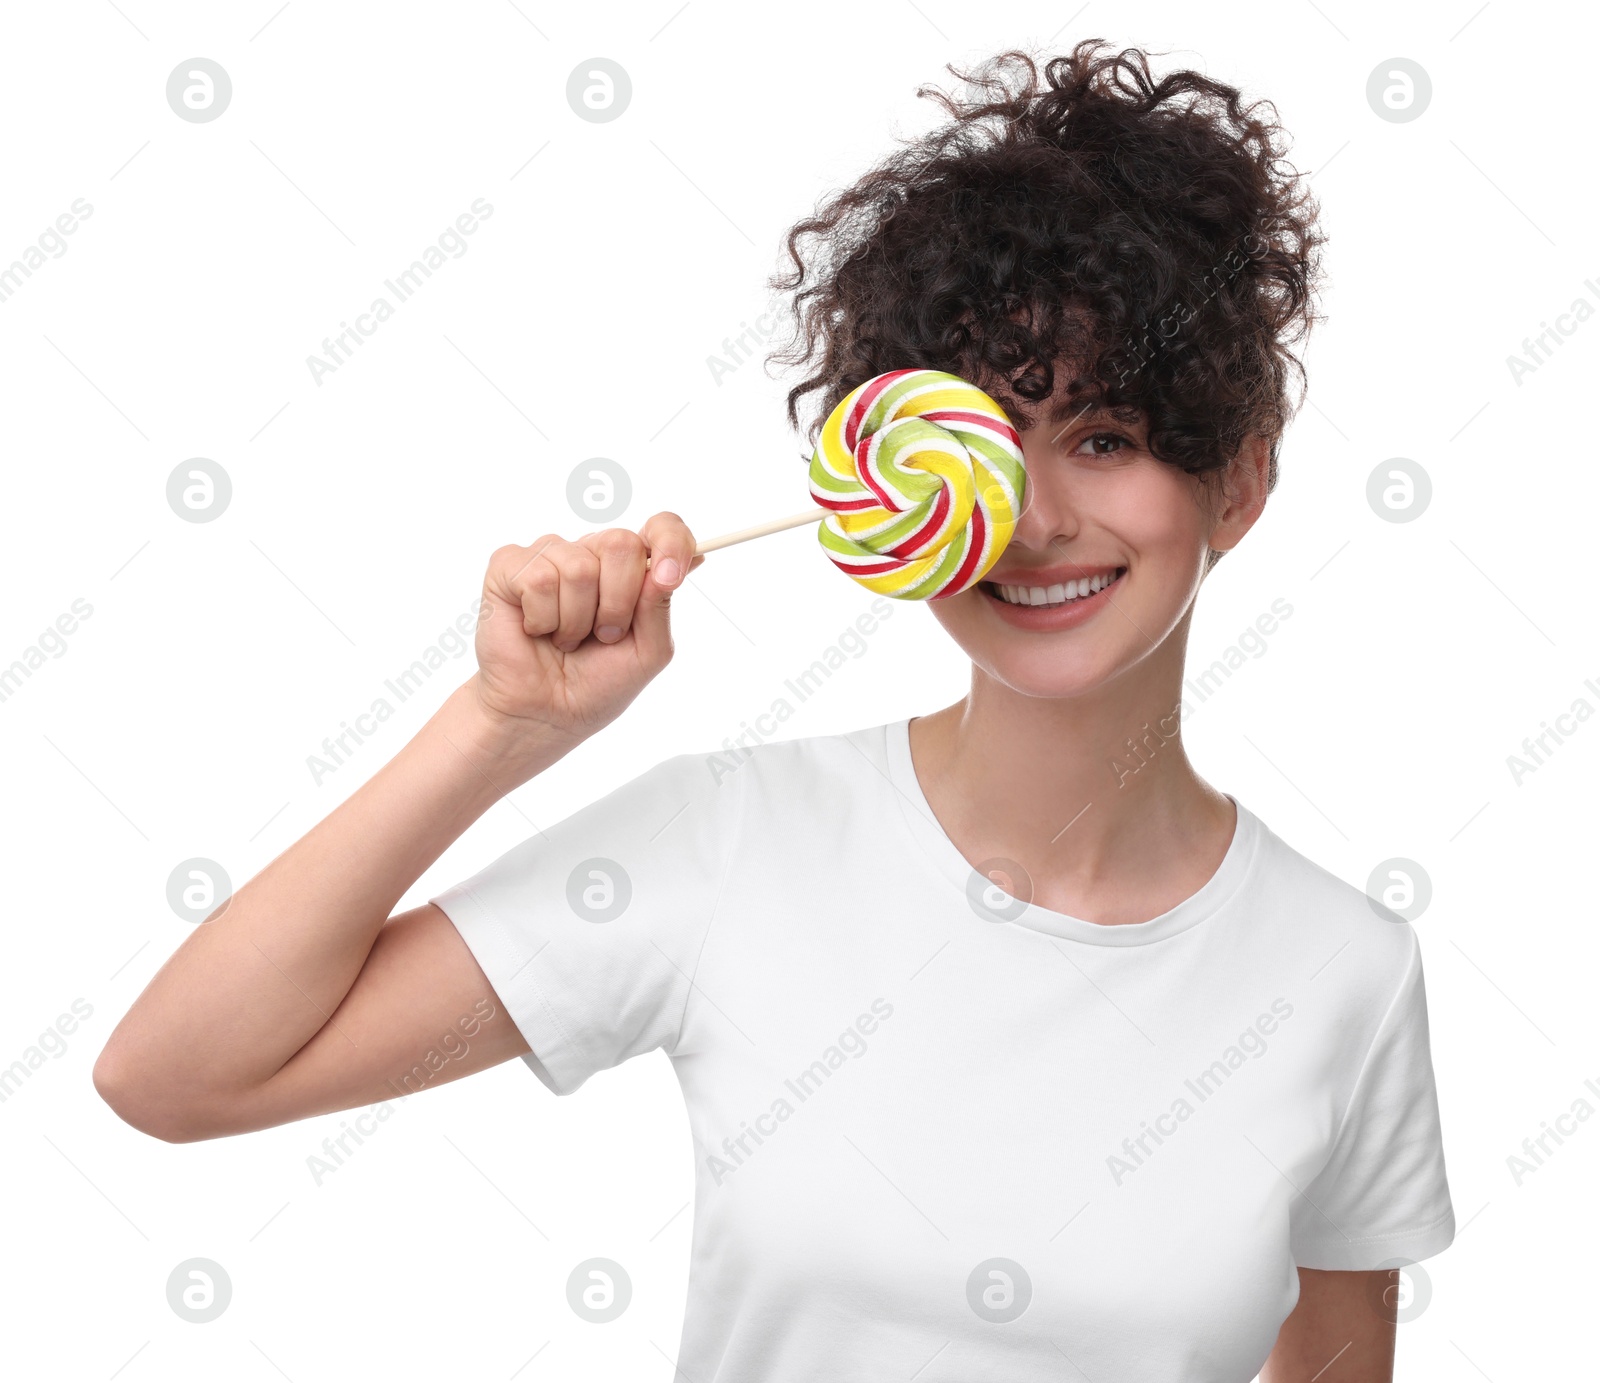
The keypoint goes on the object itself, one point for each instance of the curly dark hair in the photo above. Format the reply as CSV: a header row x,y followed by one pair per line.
x,y
1147,235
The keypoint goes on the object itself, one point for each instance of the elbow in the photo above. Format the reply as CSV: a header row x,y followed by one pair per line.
x,y
130,1103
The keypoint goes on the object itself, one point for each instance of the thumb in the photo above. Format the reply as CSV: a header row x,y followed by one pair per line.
x,y
652,627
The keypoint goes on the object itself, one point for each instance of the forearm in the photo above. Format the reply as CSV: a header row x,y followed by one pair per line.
x,y
261,977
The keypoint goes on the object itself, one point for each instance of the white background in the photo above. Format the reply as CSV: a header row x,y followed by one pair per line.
x,y
218,656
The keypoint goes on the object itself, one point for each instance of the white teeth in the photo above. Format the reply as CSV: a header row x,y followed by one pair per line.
x,y
1057,594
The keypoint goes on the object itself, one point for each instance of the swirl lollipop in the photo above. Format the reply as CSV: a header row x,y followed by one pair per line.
x,y
921,481
923,475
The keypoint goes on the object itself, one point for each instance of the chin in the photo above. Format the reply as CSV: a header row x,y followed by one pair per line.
x,y
1035,665
1062,675
1041,653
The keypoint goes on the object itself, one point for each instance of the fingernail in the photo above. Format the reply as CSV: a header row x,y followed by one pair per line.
x,y
667,573
608,633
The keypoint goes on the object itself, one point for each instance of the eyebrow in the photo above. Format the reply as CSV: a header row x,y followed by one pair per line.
x,y
1066,412
1065,408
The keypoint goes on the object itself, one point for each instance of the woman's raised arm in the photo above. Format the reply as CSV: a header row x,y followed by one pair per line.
x,y
302,995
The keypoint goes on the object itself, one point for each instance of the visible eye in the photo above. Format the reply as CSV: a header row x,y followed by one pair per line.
x,y
1096,440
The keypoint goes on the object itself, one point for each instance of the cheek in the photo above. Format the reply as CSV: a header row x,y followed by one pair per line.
x,y
1146,507
1153,509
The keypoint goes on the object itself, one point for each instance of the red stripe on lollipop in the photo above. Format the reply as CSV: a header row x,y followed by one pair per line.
x,y
866,457
870,394
843,505
987,421
865,569
969,563
908,547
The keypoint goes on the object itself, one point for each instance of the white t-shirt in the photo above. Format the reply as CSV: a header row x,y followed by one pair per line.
x,y
942,1133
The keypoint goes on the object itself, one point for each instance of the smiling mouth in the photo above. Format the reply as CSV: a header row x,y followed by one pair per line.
x,y
1062,593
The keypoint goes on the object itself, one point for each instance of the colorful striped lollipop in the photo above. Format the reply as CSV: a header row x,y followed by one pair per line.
x,y
923,475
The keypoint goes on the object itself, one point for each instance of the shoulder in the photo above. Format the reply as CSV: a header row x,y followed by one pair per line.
x,y
793,765
1339,932
715,792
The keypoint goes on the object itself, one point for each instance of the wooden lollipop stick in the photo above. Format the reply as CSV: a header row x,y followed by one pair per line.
x,y
761,530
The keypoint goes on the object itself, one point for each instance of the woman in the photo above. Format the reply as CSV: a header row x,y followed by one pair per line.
x,y
1011,1047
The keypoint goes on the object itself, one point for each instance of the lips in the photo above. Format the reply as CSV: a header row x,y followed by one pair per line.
x,y
1053,599
1054,593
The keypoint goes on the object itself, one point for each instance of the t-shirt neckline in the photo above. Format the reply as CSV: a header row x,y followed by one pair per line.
x,y
952,864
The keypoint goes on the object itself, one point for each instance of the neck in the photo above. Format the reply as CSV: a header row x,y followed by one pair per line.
x,y
1092,794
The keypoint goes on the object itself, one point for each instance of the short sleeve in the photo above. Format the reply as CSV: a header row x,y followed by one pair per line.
x,y
1382,1195
590,931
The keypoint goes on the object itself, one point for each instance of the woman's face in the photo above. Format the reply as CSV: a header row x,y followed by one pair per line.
x,y
1100,508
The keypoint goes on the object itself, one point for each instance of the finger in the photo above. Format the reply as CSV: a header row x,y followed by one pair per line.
x,y
622,558
523,579
672,557
671,546
579,595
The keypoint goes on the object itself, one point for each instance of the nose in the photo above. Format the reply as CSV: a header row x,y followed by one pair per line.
x,y
1049,515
